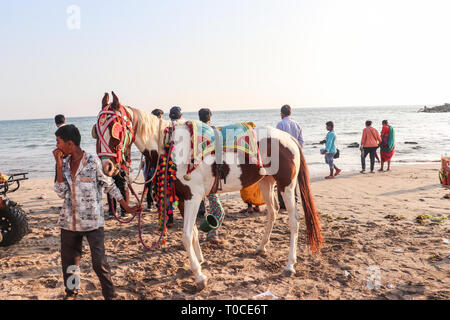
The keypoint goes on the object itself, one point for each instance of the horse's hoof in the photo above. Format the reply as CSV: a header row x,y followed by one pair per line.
x,y
260,252
202,284
288,272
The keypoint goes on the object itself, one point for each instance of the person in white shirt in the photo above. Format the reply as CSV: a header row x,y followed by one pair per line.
x,y
79,182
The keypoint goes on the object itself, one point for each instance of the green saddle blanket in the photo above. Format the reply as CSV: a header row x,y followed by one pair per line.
x,y
238,137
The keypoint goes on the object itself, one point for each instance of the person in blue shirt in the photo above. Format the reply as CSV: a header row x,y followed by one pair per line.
x,y
330,150
287,124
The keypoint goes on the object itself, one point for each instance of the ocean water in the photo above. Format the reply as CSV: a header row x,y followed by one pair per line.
x,y
26,145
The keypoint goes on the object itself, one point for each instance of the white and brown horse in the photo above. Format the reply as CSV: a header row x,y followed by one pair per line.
x,y
282,158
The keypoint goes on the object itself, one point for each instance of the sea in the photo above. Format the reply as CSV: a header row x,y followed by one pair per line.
x,y
26,145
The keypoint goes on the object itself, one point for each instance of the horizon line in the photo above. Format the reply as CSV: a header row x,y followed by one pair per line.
x,y
250,109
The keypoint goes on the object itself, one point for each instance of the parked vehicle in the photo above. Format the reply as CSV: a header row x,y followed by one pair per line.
x,y
13,220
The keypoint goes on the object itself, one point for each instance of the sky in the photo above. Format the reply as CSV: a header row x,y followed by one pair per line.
x,y
60,56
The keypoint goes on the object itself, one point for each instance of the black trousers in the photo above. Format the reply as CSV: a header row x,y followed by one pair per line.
x,y
149,186
120,183
280,199
372,151
201,209
71,247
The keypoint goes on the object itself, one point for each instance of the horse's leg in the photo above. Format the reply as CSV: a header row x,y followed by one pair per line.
x,y
267,187
196,244
190,212
289,200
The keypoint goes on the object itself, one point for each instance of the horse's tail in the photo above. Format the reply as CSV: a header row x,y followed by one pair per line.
x,y
313,228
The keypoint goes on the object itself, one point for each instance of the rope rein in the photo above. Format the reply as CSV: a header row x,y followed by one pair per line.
x,y
139,215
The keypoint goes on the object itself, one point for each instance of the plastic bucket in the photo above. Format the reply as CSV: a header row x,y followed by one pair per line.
x,y
209,223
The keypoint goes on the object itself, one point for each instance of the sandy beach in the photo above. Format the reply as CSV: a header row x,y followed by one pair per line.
x,y
375,248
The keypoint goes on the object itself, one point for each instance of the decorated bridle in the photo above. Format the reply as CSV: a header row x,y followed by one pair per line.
x,y
122,130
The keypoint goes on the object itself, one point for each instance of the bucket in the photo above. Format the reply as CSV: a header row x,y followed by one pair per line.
x,y
209,223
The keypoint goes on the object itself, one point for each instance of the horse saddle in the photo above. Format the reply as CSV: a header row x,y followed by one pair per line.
x,y
237,138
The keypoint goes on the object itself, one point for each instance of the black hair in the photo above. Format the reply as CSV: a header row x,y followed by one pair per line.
x,y
204,115
286,110
157,112
69,132
330,124
175,113
368,123
59,119
384,122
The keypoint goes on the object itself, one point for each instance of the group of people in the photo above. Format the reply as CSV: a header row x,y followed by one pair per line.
x,y
79,180
371,140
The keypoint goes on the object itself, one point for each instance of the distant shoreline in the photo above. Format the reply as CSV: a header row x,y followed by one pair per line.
x,y
236,109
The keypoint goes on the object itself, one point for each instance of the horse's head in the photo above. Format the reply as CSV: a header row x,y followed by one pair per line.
x,y
114,133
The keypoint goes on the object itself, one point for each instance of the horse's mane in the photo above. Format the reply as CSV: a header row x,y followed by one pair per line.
x,y
148,125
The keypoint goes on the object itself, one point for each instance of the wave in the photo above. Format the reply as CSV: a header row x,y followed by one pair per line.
x,y
351,133
38,145
416,161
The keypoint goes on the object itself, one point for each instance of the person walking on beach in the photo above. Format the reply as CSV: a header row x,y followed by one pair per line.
x,y
293,128
175,115
290,126
387,146
60,120
330,150
369,144
80,179
215,207
158,113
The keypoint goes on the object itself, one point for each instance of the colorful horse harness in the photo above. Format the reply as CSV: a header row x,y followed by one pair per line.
x,y
122,130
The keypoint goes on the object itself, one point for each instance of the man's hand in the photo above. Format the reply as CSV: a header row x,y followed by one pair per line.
x,y
134,209
58,157
128,209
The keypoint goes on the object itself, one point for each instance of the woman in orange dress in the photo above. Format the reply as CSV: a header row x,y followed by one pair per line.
x,y
252,197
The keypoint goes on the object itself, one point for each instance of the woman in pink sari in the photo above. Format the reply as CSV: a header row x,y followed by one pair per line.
x,y
387,147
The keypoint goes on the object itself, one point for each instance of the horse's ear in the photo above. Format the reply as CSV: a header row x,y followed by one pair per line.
x,y
105,100
116,104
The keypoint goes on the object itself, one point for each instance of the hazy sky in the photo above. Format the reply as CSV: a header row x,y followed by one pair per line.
x,y
221,54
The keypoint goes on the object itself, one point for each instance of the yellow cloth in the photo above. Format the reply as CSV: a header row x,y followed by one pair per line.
x,y
3,178
252,195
